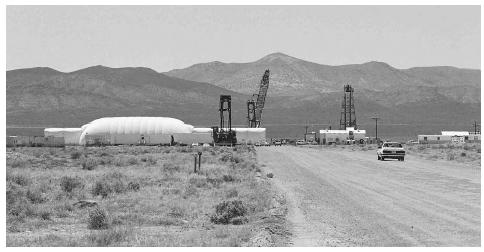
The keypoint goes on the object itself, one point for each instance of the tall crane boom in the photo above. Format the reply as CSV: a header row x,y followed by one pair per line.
x,y
255,107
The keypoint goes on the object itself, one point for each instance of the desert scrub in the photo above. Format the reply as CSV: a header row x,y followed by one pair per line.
x,y
230,212
76,155
113,182
68,184
98,219
18,179
89,164
109,237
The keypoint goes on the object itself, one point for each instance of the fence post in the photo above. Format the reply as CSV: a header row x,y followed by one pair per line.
x,y
199,159
195,164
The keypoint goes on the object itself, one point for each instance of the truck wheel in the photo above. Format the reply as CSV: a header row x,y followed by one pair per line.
x,y
382,159
378,157
402,159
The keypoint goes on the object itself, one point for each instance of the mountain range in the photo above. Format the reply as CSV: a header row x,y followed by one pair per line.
x,y
409,101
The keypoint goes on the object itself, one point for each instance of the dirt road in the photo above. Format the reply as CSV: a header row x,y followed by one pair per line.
x,y
348,198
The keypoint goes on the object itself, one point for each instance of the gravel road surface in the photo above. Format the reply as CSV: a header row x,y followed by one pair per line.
x,y
339,197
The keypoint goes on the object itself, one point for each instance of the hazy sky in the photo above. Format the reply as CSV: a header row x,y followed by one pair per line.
x,y
68,38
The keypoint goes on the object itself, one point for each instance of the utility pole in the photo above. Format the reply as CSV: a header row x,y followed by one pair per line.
x,y
306,130
376,126
476,125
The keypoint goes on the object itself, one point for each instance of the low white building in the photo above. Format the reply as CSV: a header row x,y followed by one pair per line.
x,y
450,137
71,135
327,136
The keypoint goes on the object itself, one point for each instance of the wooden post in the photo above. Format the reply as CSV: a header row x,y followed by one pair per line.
x,y
199,159
195,163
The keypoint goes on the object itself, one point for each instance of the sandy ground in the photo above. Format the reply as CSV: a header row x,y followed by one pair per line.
x,y
348,198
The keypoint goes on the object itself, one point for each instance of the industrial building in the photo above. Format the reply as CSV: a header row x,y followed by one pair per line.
x,y
133,131
450,137
328,136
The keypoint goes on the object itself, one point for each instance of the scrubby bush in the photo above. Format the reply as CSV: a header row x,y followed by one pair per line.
x,y
68,184
149,159
89,164
478,150
98,219
450,156
228,178
197,180
463,154
76,155
109,237
466,147
228,211
132,160
232,193
16,162
171,167
19,179
35,196
45,214
133,186
114,182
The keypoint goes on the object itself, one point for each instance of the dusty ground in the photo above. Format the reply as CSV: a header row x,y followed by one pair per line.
x,y
344,197
150,197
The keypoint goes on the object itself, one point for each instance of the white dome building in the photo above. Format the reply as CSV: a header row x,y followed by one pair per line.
x,y
133,130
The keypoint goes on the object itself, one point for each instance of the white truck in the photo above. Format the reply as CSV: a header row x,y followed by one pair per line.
x,y
391,150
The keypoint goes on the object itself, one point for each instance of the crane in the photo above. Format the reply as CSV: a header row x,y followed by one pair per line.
x,y
256,103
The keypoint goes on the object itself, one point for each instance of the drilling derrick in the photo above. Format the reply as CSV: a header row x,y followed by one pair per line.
x,y
348,116
256,103
224,134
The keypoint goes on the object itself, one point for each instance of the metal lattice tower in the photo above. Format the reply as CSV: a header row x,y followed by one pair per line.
x,y
348,115
255,106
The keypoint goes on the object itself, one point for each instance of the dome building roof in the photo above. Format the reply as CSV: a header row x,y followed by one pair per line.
x,y
134,126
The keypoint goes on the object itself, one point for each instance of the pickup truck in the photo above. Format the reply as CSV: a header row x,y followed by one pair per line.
x,y
277,143
390,150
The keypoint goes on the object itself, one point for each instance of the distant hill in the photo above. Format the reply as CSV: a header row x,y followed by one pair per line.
x,y
409,101
42,96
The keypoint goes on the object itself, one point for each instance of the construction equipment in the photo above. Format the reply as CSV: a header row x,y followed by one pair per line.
x,y
348,116
256,103
224,135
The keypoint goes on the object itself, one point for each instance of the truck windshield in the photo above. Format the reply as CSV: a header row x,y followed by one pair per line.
x,y
395,145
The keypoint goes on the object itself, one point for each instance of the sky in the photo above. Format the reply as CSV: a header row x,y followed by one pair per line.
x,y
68,38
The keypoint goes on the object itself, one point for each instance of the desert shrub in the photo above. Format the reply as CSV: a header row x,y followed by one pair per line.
x,y
132,160
466,147
270,175
76,155
114,182
421,147
104,160
68,184
102,189
109,237
171,167
89,164
119,161
98,219
17,203
478,150
463,154
45,214
35,196
16,162
227,211
226,157
232,193
228,178
19,179
450,156
150,160
133,186
176,211
197,180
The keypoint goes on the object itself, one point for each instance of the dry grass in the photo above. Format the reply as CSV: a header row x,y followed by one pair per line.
x,y
146,196
466,153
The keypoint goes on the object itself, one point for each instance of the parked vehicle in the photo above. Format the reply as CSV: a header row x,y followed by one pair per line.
x,y
257,144
267,143
277,143
392,150
300,142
